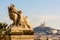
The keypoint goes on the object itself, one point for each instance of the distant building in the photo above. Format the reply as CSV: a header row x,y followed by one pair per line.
x,y
54,31
42,24
58,32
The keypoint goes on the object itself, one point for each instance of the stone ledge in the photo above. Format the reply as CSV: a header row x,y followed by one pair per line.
x,y
22,32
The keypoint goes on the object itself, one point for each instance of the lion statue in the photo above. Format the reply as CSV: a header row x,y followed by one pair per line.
x,y
13,13
17,17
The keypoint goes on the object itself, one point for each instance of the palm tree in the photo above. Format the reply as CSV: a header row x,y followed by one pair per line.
x,y
2,27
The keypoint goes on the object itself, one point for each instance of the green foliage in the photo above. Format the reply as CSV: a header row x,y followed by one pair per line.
x,y
2,27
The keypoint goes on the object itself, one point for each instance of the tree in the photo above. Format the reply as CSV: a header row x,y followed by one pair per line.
x,y
2,27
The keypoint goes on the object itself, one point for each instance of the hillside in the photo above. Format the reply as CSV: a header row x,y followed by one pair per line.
x,y
42,29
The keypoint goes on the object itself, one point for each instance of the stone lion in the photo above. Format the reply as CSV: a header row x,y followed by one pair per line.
x,y
17,17
13,13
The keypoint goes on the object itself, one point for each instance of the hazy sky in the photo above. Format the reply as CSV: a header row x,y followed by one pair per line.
x,y
37,11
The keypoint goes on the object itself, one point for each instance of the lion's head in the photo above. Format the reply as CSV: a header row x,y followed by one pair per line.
x,y
12,8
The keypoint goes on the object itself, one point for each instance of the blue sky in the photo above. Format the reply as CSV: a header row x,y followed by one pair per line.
x,y
37,11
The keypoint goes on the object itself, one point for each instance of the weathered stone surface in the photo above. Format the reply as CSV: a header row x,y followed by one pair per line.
x,y
18,18
20,37
17,29
20,29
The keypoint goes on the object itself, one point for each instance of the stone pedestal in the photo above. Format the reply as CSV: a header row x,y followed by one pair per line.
x,y
20,37
19,33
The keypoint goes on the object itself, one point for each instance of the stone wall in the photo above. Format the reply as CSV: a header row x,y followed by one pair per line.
x,y
20,37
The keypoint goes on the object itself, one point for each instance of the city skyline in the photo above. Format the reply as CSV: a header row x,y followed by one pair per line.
x,y
38,11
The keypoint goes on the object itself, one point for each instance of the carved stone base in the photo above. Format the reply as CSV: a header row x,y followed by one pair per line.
x,y
20,37
19,33
18,29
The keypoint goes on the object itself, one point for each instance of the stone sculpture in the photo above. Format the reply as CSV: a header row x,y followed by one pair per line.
x,y
13,13
20,29
17,17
